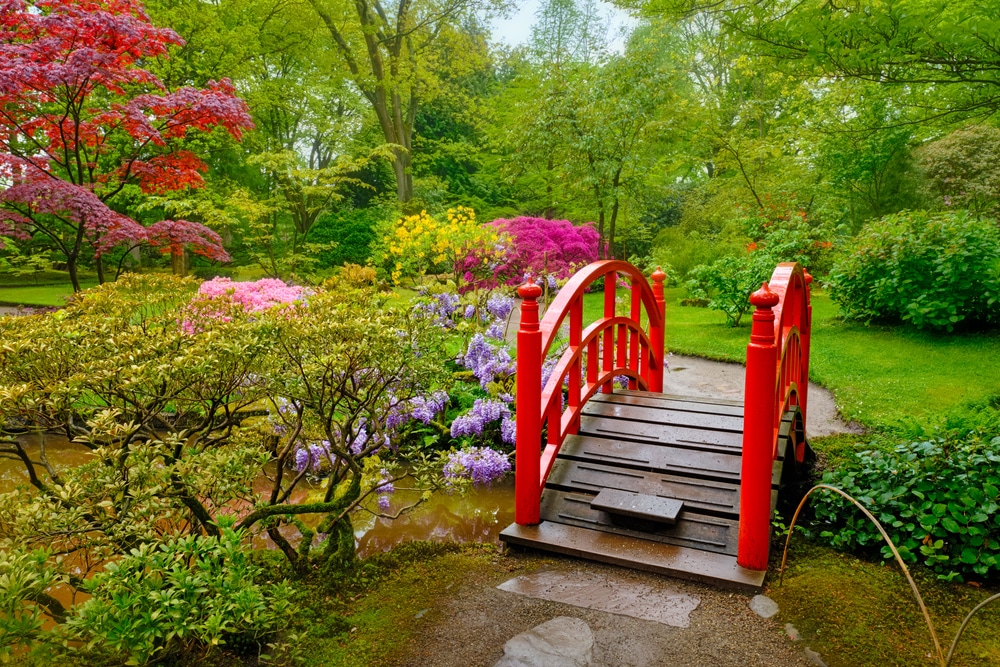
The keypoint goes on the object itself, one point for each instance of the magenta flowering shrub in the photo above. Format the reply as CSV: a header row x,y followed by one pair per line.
x,y
537,246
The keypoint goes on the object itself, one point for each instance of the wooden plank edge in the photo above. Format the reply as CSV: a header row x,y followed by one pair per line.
x,y
681,562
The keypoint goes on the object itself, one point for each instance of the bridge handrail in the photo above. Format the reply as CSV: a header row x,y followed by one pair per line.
x,y
613,345
777,380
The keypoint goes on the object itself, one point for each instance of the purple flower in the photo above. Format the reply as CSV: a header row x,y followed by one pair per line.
x,y
470,312
486,361
500,305
553,285
482,465
622,381
385,488
508,430
482,413
495,331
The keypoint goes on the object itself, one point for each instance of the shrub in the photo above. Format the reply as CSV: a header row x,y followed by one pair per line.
x,y
934,270
354,233
939,500
777,236
545,247
184,596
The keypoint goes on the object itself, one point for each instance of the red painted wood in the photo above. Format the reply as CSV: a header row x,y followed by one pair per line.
x,y
657,330
777,380
527,493
613,346
759,398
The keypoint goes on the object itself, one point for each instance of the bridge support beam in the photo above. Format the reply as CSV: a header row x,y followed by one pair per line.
x,y
758,434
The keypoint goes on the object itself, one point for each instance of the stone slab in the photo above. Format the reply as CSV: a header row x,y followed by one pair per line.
x,y
615,595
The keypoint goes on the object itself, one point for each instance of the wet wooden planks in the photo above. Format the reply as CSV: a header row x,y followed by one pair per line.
x,y
661,445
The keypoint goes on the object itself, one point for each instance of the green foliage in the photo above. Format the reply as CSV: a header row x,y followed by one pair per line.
x,y
963,168
779,235
181,597
351,233
938,499
729,282
934,270
25,578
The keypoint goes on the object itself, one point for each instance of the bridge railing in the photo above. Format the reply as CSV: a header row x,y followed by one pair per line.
x,y
612,346
777,381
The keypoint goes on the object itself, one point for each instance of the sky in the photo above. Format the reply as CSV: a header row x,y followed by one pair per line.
x,y
516,29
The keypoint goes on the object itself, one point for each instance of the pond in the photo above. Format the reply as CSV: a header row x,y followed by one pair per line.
x,y
476,516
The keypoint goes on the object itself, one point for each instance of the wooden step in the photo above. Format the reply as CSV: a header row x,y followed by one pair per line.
x,y
637,506
671,560
635,412
690,437
698,531
702,495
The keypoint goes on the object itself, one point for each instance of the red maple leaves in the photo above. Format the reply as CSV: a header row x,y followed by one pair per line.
x,y
80,118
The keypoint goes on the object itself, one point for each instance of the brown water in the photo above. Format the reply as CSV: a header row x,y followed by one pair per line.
x,y
476,516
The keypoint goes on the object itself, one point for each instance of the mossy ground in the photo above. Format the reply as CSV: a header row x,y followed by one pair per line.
x,y
368,617
857,613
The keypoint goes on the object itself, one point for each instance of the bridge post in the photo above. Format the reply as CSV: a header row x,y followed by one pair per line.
x,y
758,434
527,452
805,333
656,334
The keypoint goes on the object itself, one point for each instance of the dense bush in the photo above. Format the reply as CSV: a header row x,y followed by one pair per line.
x,y
934,270
354,232
545,247
939,500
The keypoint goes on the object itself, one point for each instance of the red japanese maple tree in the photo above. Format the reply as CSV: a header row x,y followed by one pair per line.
x,y
80,119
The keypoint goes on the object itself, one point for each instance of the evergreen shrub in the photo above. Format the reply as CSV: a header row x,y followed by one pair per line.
x,y
933,270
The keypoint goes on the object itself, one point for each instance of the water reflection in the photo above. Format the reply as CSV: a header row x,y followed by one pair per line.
x,y
476,516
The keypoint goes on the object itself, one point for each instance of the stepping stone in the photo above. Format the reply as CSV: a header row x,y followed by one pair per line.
x,y
561,642
763,606
608,593
638,505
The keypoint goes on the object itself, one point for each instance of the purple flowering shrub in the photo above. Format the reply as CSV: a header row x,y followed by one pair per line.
x,y
539,246
480,466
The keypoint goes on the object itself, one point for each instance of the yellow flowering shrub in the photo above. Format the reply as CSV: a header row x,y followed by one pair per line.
x,y
419,245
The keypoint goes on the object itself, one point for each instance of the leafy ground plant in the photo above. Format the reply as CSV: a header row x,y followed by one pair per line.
x,y
938,499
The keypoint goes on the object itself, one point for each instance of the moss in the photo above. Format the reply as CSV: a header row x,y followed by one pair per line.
x,y
862,614
366,616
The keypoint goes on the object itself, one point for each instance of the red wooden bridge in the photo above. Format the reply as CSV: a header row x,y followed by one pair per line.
x,y
671,484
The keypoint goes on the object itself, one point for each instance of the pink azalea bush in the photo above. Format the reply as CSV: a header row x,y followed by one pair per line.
x,y
216,297
539,246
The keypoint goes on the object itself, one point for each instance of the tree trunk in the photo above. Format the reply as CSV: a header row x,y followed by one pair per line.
x,y
177,262
99,262
404,178
72,269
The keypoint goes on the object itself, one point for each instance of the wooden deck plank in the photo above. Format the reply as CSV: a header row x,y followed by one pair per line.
x,y
647,399
697,531
680,436
697,494
653,456
664,416
638,505
675,397
672,560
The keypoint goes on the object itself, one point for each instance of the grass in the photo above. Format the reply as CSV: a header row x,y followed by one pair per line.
x,y
880,376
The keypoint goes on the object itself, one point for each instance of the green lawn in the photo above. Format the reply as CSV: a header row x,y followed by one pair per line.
x,y
55,294
879,375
